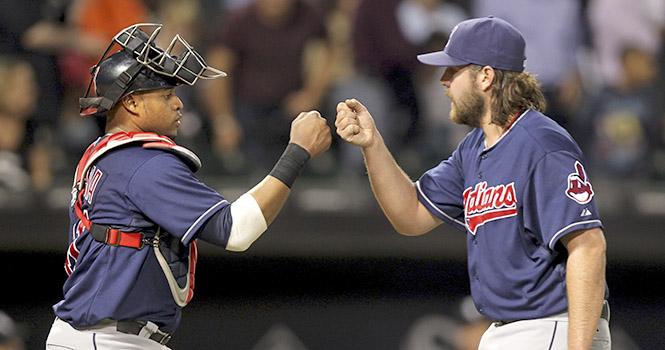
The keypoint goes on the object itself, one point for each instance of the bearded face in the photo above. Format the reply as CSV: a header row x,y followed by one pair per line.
x,y
468,107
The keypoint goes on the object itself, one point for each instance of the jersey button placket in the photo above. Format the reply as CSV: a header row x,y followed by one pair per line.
x,y
482,157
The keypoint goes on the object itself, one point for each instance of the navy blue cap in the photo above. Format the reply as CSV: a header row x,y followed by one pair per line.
x,y
486,41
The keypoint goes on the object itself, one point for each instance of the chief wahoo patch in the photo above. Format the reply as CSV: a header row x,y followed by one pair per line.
x,y
579,188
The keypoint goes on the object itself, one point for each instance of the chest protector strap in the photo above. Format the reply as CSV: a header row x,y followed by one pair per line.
x,y
182,289
107,235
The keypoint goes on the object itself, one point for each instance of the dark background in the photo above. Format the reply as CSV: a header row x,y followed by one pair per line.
x,y
331,273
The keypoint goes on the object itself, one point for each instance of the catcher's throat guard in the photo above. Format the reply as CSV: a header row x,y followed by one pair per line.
x,y
142,66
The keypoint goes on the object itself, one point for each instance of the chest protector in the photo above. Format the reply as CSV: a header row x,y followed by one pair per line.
x,y
178,262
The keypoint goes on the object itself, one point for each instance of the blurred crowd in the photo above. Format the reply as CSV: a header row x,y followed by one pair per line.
x,y
600,63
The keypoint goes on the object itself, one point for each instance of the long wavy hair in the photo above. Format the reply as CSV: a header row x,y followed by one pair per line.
x,y
513,92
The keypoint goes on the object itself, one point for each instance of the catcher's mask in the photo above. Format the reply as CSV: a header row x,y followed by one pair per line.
x,y
140,65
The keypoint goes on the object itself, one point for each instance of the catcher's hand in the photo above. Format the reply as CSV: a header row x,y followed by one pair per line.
x,y
311,131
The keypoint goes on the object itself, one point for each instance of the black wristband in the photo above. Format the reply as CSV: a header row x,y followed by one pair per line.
x,y
290,164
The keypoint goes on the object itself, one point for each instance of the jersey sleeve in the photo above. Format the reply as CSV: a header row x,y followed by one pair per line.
x,y
169,194
559,198
440,190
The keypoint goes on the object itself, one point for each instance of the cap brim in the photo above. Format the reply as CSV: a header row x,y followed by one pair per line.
x,y
441,59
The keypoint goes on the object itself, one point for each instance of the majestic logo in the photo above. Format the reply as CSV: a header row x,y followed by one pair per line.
x,y
579,188
483,204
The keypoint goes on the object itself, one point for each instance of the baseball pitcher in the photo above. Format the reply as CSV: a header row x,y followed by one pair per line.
x,y
516,185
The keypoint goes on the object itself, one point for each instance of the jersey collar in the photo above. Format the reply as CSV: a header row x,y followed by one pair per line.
x,y
519,115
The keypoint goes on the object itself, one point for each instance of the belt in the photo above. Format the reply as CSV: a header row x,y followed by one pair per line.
x,y
143,329
604,314
503,323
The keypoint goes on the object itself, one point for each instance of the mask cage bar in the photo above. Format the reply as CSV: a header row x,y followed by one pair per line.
x,y
188,67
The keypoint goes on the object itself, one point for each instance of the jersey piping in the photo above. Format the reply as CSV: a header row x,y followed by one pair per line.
x,y
189,232
437,209
566,229
510,127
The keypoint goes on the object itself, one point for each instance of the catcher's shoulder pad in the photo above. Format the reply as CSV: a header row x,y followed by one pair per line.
x,y
149,140
191,159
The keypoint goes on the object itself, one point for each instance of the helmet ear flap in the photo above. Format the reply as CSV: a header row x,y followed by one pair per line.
x,y
112,79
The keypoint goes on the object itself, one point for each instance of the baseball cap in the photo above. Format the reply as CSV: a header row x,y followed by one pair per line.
x,y
487,41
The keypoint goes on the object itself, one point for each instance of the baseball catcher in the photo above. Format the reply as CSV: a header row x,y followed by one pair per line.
x,y
137,209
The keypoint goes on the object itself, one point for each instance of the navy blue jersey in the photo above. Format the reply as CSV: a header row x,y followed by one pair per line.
x,y
515,200
133,189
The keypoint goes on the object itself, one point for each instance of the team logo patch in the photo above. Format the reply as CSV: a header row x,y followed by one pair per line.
x,y
483,204
579,188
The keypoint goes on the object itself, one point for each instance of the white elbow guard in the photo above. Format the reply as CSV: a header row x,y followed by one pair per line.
x,y
248,223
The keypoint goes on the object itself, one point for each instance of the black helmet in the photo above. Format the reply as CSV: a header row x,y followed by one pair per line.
x,y
142,66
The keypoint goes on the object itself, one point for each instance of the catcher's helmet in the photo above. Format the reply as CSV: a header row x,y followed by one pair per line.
x,y
141,66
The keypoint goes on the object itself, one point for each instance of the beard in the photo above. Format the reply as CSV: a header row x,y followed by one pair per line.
x,y
468,108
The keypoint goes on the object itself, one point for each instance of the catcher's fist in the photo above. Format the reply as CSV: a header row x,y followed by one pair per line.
x,y
354,123
310,131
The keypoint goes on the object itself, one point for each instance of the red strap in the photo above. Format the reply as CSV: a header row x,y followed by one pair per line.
x,y
79,212
193,257
124,239
113,236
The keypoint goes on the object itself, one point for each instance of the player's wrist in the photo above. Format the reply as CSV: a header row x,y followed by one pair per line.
x,y
290,164
375,140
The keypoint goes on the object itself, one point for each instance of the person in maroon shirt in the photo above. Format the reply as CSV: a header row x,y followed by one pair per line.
x,y
382,52
276,56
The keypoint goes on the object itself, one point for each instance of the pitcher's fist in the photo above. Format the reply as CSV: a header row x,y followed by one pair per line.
x,y
354,123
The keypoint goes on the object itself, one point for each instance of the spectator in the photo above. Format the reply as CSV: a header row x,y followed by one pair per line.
x,y
427,24
46,34
389,84
275,53
96,22
183,17
385,58
345,79
18,98
616,24
30,30
420,20
10,334
626,120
